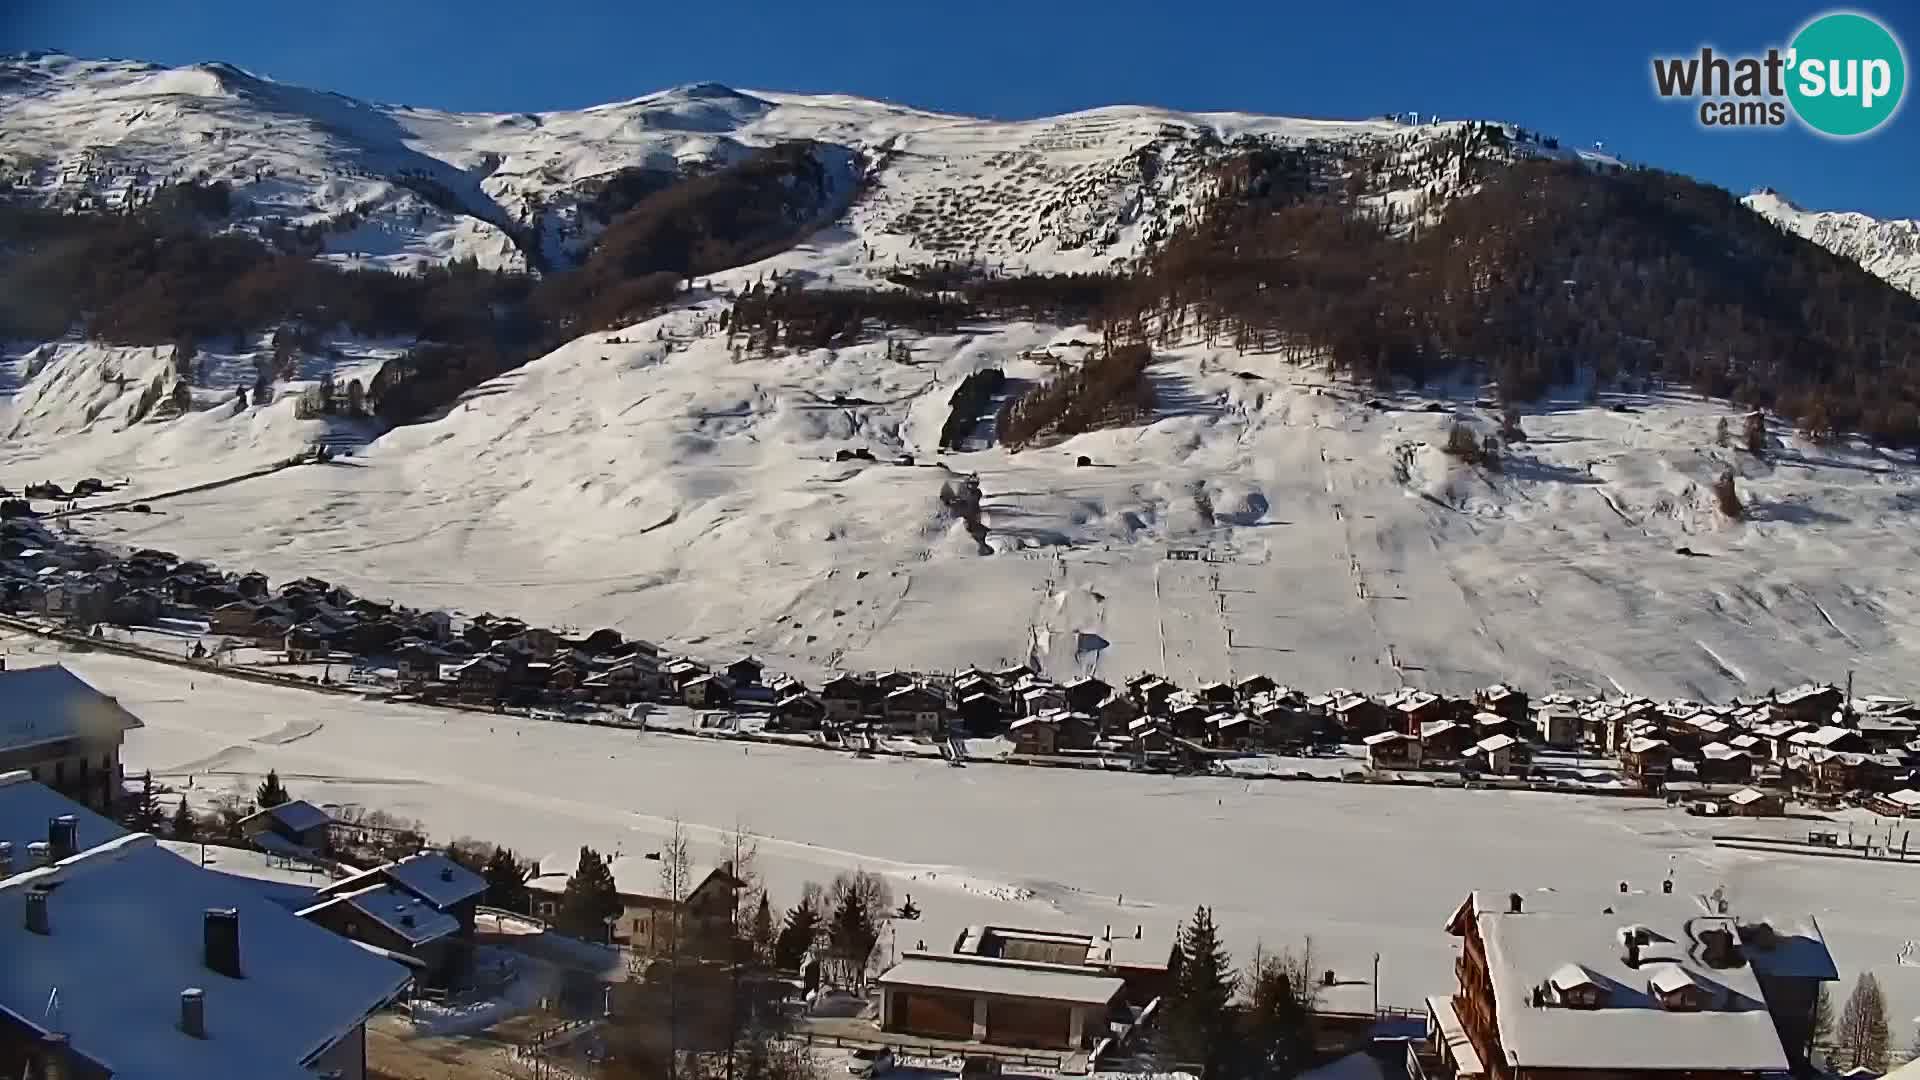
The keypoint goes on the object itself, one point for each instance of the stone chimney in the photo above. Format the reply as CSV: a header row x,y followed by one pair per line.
x,y
1515,904
446,873
222,939
63,837
39,855
37,912
193,1012
6,859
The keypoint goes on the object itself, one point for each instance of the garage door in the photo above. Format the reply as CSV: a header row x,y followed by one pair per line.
x,y
1024,1023
939,1016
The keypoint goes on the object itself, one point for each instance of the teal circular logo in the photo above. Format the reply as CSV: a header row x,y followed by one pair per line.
x,y
1848,74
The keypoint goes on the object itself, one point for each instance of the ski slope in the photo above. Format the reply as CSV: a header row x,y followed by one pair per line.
x,y
657,484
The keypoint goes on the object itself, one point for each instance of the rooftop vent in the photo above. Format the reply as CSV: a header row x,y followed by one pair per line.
x,y
1514,904
193,1012
6,859
446,873
39,854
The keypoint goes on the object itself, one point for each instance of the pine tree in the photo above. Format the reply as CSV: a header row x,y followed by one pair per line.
x,y
1199,1016
506,881
143,814
1863,1036
1727,496
796,937
1754,433
1721,436
184,825
762,935
853,935
590,899
270,793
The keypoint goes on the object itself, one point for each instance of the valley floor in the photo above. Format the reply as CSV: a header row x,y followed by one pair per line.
x,y
1360,869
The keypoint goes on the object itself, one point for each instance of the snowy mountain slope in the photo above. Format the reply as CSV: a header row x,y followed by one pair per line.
x,y
398,186
657,484
1889,248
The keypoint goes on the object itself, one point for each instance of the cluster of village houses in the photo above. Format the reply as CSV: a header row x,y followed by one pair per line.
x,y
1811,742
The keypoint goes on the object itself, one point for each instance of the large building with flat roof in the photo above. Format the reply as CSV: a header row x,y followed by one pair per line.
x,y
1003,1002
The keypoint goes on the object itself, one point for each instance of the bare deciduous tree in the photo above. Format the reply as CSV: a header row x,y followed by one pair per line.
x,y
1863,1036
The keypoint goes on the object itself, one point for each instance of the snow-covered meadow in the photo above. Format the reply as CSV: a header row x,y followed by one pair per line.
x,y
1360,869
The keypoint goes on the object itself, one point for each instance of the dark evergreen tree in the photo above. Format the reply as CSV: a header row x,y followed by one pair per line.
x,y
1199,1024
852,936
184,825
143,813
796,936
1276,1036
270,793
761,937
506,881
590,901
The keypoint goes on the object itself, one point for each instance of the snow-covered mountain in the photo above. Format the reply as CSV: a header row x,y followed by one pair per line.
x,y
660,479
1888,248
397,186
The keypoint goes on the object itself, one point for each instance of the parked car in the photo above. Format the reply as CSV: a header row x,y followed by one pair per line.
x,y
868,1061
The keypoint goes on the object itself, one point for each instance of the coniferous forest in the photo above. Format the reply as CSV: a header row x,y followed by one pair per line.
x,y
1539,275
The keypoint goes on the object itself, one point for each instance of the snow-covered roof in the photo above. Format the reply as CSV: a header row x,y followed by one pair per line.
x,y
981,975
398,910
1383,737
127,936
27,808
435,878
1746,796
298,815
429,875
44,704
1905,797
1493,744
1643,744
1630,1031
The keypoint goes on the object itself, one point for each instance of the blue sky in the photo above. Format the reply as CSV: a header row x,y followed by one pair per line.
x,y
1577,70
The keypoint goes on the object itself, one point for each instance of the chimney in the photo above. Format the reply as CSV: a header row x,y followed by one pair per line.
x,y
406,919
6,859
63,836
37,912
446,873
1666,887
193,1012
1514,904
1633,950
1107,934
223,941
38,854
1139,931
1623,887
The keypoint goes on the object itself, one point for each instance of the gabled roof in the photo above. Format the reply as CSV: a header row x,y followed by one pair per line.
x,y
127,936
1493,744
1746,796
298,815
401,912
45,704
428,875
